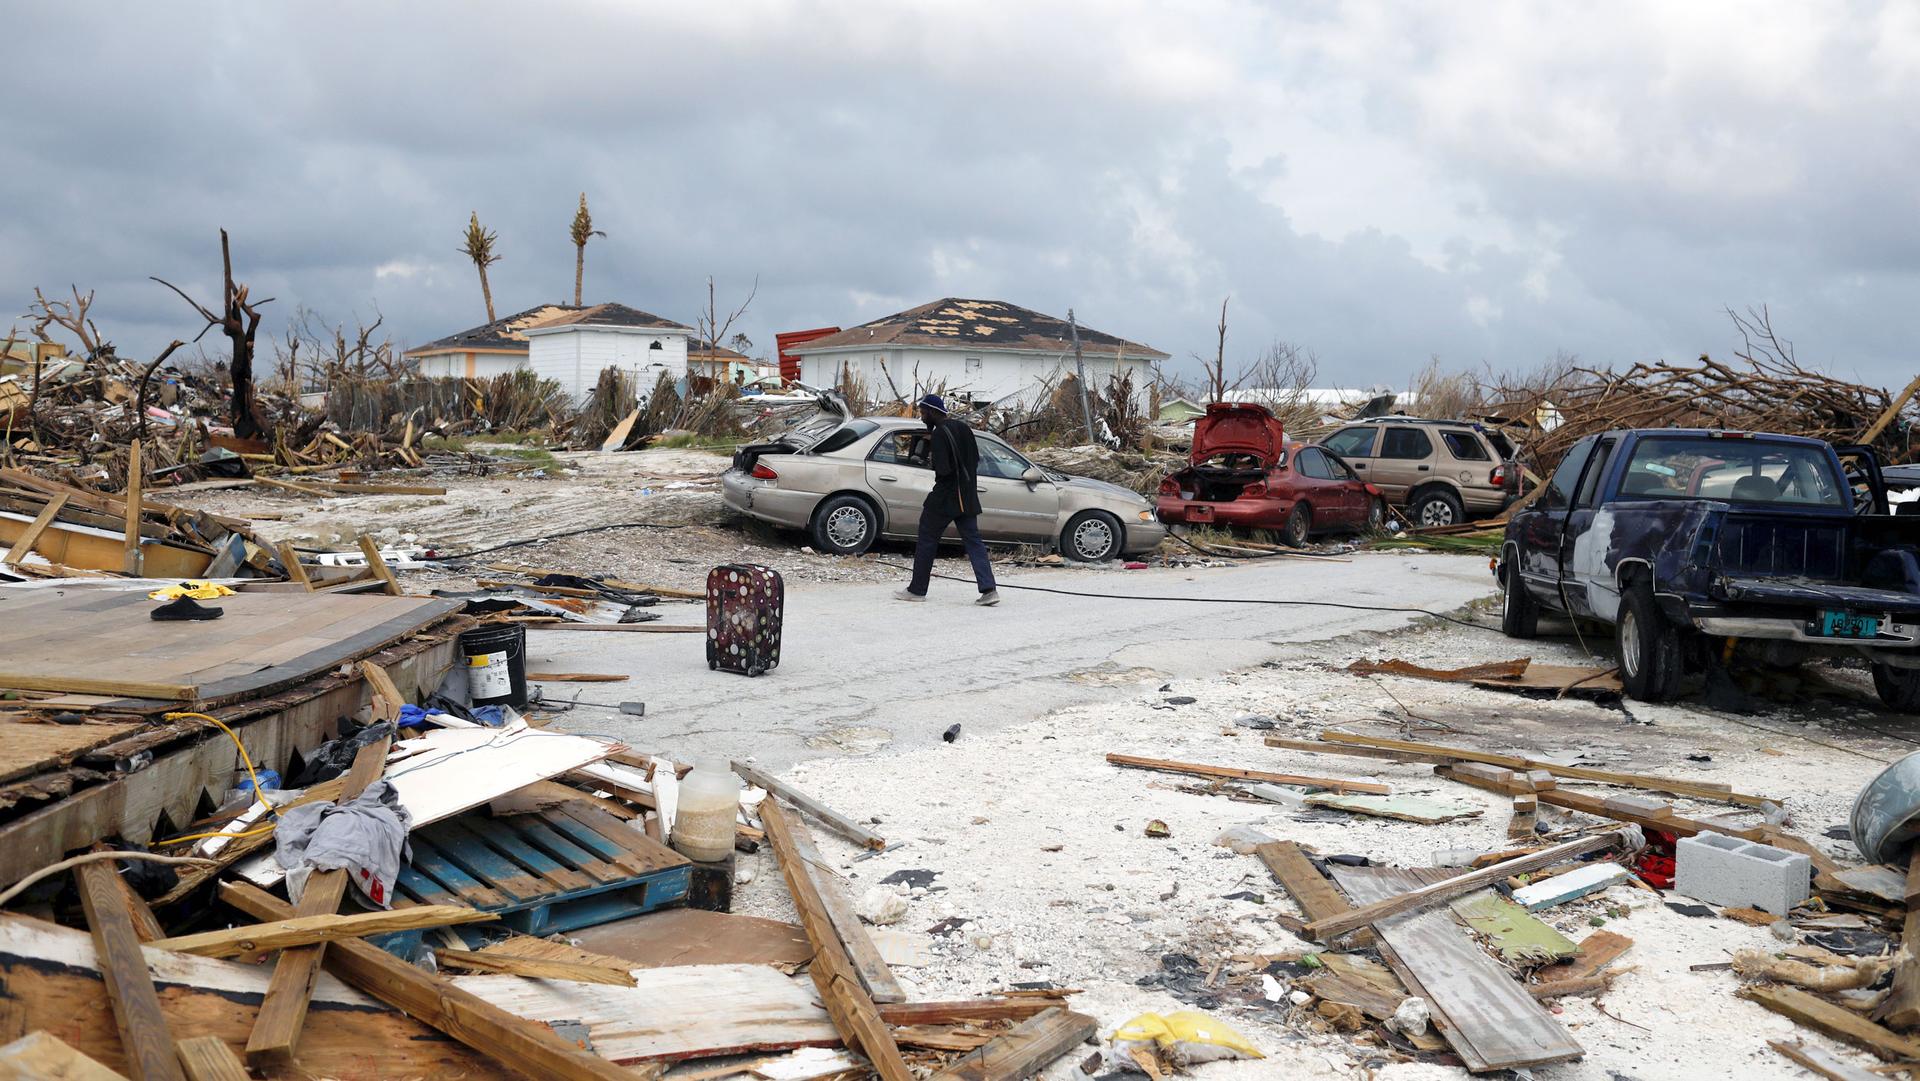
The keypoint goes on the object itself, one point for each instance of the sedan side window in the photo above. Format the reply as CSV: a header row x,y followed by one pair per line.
x,y
1406,443
902,448
1351,442
998,460
1311,463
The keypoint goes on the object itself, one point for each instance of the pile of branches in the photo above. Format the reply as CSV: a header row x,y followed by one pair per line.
x,y
516,401
1763,389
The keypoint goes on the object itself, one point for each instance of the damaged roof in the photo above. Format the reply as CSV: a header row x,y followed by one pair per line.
x,y
955,323
509,332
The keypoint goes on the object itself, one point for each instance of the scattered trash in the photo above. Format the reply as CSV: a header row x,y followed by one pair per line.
x,y
1157,828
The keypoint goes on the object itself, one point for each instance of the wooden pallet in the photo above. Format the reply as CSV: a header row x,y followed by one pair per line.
x,y
560,869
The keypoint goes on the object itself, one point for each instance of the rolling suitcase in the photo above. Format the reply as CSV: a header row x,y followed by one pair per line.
x,y
744,604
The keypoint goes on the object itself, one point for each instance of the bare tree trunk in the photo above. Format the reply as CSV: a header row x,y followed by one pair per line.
x,y
1218,375
486,292
579,273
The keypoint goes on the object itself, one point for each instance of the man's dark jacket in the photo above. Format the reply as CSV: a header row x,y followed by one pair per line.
x,y
956,470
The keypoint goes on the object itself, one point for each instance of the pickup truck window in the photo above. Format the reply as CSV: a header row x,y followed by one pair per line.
x,y
1590,486
1559,493
1734,470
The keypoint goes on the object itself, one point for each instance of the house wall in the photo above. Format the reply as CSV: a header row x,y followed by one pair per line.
x,y
985,375
468,365
575,356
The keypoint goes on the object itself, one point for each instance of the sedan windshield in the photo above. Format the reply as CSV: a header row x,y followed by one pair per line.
x,y
1732,470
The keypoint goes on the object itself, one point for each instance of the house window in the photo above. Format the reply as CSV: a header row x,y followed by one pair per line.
x,y
973,364
656,345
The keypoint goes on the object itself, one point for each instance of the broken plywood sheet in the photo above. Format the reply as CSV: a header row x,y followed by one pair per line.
x,y
1518,936
54,640
49,974
691,936
1489,1018
675,1013
449,770
1877,880
1404,808
1520,674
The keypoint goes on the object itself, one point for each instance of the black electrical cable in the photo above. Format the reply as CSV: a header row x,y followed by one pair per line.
x,y
1219,600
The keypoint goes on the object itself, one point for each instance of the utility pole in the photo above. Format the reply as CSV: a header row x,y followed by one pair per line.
x,y
1080,371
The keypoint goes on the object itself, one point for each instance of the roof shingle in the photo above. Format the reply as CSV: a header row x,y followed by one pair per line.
x,y
955,323
509,332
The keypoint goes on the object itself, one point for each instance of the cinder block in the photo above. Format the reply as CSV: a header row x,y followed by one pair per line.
x,y
1724,870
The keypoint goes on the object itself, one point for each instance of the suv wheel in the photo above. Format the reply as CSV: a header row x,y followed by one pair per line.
x,y
1437,507
844,526
1649,647
1899,688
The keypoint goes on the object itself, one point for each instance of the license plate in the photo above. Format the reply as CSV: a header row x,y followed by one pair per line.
x,y
1829,623
1199,512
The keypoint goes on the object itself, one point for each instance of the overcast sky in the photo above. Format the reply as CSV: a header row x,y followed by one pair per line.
x,y
1379,183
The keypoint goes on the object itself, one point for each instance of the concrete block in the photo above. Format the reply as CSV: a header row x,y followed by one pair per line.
x,y
1724,870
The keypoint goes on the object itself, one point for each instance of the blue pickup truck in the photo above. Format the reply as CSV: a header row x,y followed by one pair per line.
x,y
1702,546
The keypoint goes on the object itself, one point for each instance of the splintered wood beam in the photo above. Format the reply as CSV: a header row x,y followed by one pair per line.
x,y
1317,898
295,572
208,1058
539,968
854,1014
1901,1009
865,958
1023,1052
529,1047
132,564
307,930
144,1036
1324,929
23,544
1832,1020
964,1011
827,816
379,566
1200,769
387,698
276,1029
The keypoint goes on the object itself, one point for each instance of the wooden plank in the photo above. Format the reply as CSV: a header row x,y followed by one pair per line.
x,y
853,1013
541,624
832,819
1489,1019
618,437
1199,769
1597,951
691,936
964,1011
208,1058
1819,1060
1901,1009
24,542
379,566
276,1031
1832,1020
1316,747
1317,898
42,1056
1518,936
536,968
136,1005
575,677
307,930
134,471
1464,883
387,698
1674,786
874,974
1023,1052
297,574
1403,808
532,1049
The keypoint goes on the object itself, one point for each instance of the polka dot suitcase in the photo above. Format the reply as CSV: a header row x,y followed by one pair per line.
x,y
744,605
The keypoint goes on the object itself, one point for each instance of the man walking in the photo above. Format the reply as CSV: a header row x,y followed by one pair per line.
x,y
954,500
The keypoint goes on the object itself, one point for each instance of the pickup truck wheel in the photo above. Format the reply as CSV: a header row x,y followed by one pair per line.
x,y
1437,506
1899,688
1299,523
1649,647
844,526
1091,537
1519,613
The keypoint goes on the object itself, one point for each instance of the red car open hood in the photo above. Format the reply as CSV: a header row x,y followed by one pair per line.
x,y
1238,428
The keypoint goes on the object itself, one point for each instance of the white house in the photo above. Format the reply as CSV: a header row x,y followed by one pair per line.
x,y
982,351
564,343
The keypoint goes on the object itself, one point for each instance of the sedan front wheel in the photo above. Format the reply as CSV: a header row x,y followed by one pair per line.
x,y
1091,537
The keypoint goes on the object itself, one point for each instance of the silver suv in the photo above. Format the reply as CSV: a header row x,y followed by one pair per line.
x,y
1443,472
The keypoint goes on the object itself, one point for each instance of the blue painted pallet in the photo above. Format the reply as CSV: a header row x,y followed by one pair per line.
x,y
557,870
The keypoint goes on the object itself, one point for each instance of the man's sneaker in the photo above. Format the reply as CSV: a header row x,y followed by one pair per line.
x,y
988,599
908,595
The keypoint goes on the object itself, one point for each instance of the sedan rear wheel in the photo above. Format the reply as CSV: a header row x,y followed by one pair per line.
x,y
1091,537
844,525
1299,524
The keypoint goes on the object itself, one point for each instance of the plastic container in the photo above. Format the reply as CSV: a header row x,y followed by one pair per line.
x,y
709,805
496,665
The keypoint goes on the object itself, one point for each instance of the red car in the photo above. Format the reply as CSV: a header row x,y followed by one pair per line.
x,y
1245,473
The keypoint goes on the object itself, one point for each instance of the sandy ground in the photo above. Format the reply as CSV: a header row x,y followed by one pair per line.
x,y
1039,847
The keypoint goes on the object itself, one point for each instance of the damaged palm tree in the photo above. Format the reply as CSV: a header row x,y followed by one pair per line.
x,y
239,320
581,232
478,247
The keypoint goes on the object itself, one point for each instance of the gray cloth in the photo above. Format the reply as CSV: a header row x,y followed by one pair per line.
x,y
366,836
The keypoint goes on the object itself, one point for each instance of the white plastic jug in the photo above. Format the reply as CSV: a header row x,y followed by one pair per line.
x,y
703,826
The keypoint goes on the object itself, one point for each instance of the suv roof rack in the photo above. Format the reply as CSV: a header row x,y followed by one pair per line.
x,y
1474,424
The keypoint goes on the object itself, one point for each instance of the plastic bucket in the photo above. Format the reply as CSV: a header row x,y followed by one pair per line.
x,y
496,659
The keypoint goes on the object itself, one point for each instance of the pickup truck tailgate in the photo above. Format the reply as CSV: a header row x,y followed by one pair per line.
x,y
1800,592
